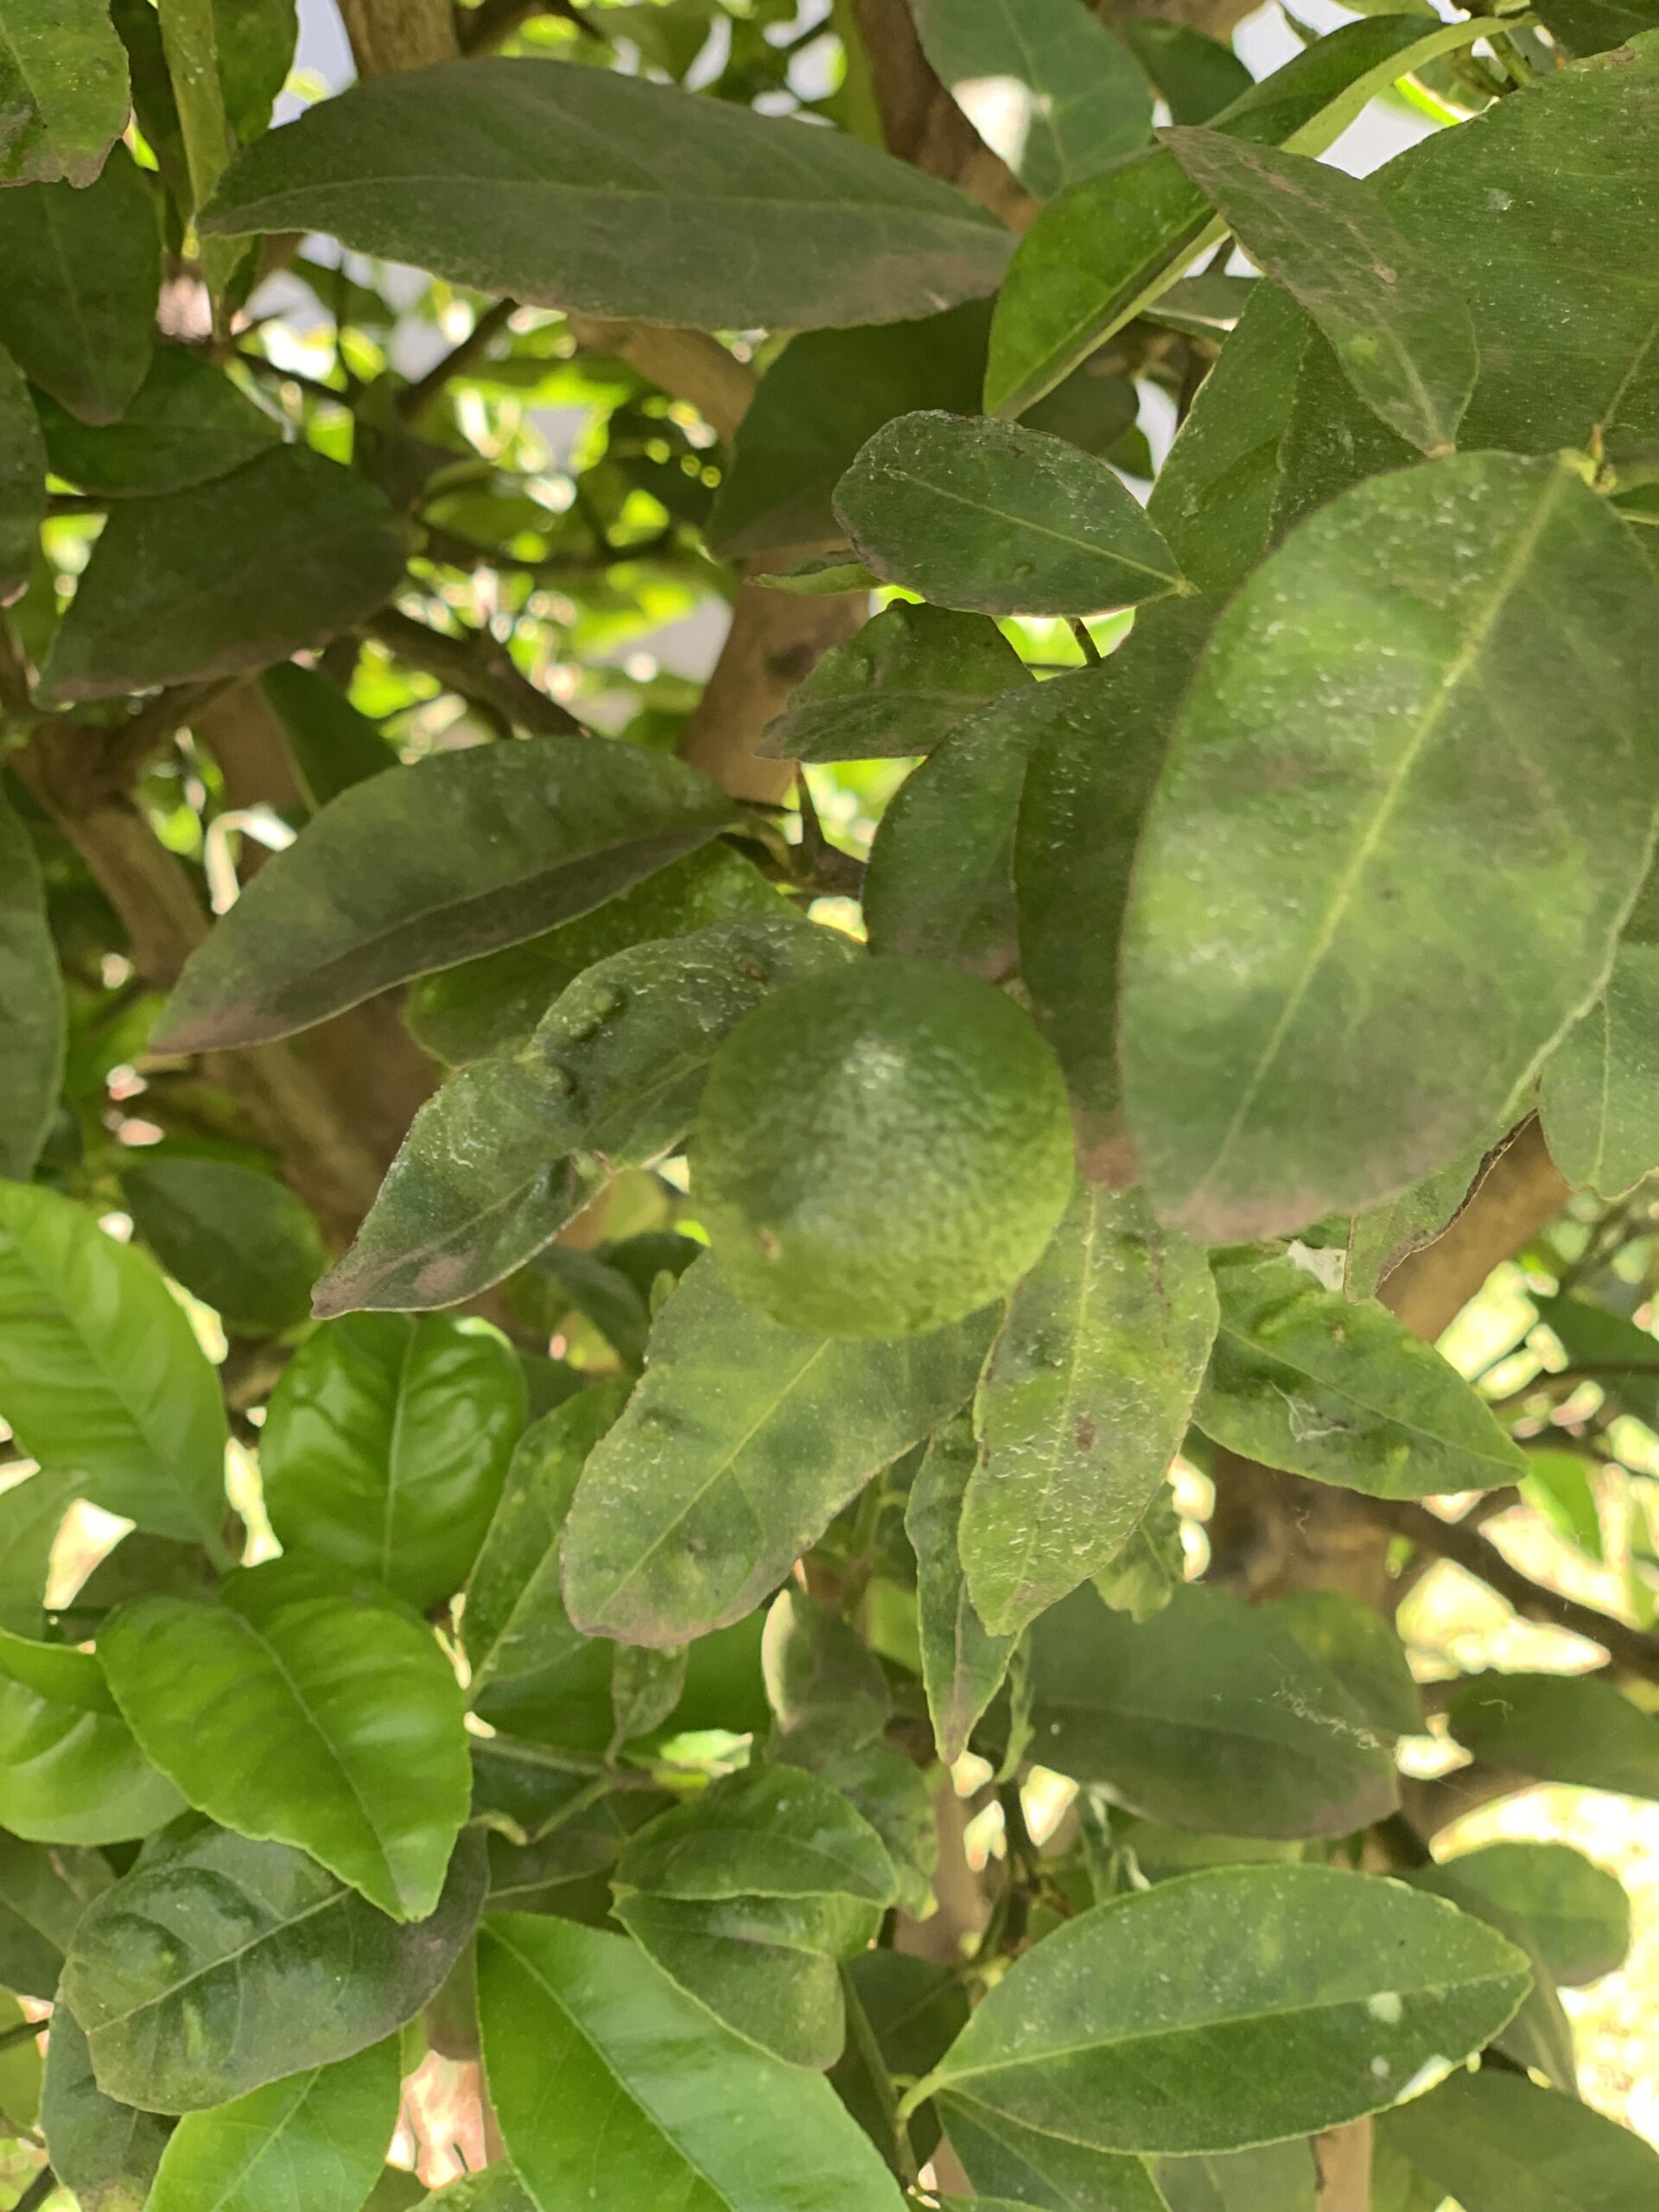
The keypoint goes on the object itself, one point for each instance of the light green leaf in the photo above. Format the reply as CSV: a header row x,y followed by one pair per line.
x,y
513,1146
1360,1648
1279,2178
186,424
495,2189
1401,335
1558,1728
1381,1237
190,44
1047,86
31,999
43,1892
83,268
63,90
330,744
1208,1715
1101,252
906,680
737,1451
1339,1988
1048,2171
1596,1098
1303,1379
1578,1915
1504,2146
106,2152
993,519
214,1966
23,481
747,1895
650,2086
100,1374
1412,662
963,1664
385,1446
312,2143
227,577
583,189
238,1240
31,1514
1084,1403
70,1772
305,1710
471,850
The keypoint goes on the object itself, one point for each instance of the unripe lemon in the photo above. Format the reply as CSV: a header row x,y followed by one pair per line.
x,y
881,1151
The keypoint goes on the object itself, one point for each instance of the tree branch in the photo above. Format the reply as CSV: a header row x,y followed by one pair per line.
x,y
415,398
476,667
391,34
924,125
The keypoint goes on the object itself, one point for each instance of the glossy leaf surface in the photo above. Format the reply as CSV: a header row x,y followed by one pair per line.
x,y
312,2143
905,681
70,1772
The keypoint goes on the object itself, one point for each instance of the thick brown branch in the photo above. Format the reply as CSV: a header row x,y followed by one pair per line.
x,y
774,640
688,364
924,125
391,34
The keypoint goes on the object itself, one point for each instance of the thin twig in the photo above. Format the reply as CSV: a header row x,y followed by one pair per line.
x,y
415,398
477,668
37,2192
24,2031
1084,637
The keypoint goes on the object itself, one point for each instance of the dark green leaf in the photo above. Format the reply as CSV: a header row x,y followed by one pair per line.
x,y
1596,1097
473,850
1402,335
905,681
1358,1647
82,271
1578,1916
824,1682
106,2152
903,2014
63,90
1504,2146
316,2141
963,1664
1540,2036
997,520
283,552
1279,2178
734,1453
70,1772
31,1002
484,1006
1441,619
1197,76
236,1239
23,481
1048,2171
331,746
1304,1379
1084,1403
1118,2032
1558,1728
512,1146
100,1374
186,424
1593,26
649,2087
255,42
583,189
827,392
1331,438
1208,1715
44,1889
385,1446
214,1966
1047,86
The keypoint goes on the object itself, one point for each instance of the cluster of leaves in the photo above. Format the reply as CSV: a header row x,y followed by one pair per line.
x,y
577,1677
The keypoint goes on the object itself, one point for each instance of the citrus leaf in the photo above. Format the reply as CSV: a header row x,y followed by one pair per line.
x,y
1539,2038
1303,1378
225,576
1361,1650
993,519
494,2189
471,850
31,1515
43,1892
1084,1401
583,189
1577,1914
1402,335
1596,1096
317,2139
963,1664
903,2014
1278,2177
100,1374
236,1239
736,1452
214,1966
1197,76
385,1446
23,481
906,679
185,424
1504,2145
1580,26
105,2151
998,2152
83,270
307,1710
655,2098
1558,1728
70,1772
330,744
1207,1715
1047,87
63,90
1411,662
1116,2032
32,1016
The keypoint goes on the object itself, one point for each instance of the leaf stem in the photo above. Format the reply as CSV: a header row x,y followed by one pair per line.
x,y
1084,637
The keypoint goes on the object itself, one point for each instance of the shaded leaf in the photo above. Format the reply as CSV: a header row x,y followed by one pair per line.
x,y
1558,1728
385,1446
1596,1096
1085,1400
83,270
100,1374
44,1889
1470,750
214,1967
331,746
70,1772
1504,2145
63,90
1356,1645
963,1664
1117,2032
580,189
317,2139
1591,26
106,2152
1208,1715
23,481
1304,1379
903,2014
1578,1915
1539,2038
1060,2175
225,576
1197,76
32,1018
904,681
1279,2178
734,1453
185,424
993,519
238,1240
824,1682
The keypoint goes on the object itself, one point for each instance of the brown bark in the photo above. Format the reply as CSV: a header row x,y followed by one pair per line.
x,y
1342,2157
391,34
924,125
773,641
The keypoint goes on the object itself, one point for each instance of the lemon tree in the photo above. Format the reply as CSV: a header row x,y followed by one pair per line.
x,y
827,982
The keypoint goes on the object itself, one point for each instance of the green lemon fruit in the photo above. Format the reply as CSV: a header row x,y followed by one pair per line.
x,y
881,1150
